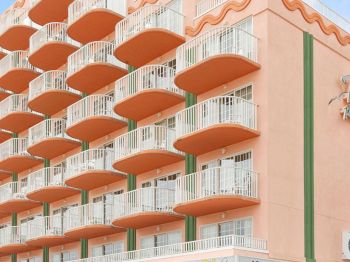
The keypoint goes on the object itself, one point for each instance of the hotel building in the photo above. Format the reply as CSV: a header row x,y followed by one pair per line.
x,y
183,130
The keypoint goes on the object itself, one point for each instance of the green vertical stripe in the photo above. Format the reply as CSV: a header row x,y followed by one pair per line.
x,y
84,243
46,254
190,167
308,149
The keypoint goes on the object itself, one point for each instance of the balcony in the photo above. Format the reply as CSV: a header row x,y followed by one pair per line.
x,y
148,33
12,240
49,93
226,52
4,135
216,190
47,185
147,91
223,120
93,66
145,207
4,94
91,20
46,232
145,149
5,174
13,198
45,11
15,30
50,46
181,251
90,221
48,139
91,169
3,52
15,115
14,156
92,118
16,72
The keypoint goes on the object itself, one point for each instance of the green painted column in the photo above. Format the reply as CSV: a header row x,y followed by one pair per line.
x,y
46,213
309,233
190,167
131,179
84,247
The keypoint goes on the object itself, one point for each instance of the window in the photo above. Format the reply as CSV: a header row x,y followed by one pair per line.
x,y
239,227
162,182
243,160
32,259
161,240
108,249
168,122
171,63
245,92
64,256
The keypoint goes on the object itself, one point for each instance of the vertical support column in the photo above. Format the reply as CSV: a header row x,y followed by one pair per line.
x,y
190,166
46,210
131,232
309,149
14,215
84,200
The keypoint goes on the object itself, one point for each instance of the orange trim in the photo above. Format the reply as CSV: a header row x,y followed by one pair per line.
x,y
214,20
143,3
315,17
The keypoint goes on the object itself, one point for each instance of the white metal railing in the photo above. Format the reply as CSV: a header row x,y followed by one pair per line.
x,y
93,52
217,110
144,138
51,32
49,128
14,103
217,181
89,160
45,177
16,59
15,16
217,41
87,215
79,8
13,190
149,16
45,226
90,106
205,6
329,13
150,199
50,80
203,245
145,78
13,147
13,235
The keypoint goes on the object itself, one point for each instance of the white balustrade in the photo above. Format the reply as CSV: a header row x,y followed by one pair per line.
x,y
14,147
14,103
49,128
146,78
79,8
16,60
150,16
217,181
90,106
93,52
45,177
204,245
217,110
150,199
89,160
51,32
218,41
13,191
205,6
47,226
49,81
13,235
88,215
13,17
145,138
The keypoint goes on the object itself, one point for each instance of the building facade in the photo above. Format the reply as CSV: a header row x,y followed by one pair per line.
x,y
174,130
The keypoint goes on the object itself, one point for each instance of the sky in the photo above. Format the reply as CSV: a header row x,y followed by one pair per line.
x,y
340,6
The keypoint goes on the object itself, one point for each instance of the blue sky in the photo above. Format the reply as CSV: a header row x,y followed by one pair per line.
x,y
341,6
